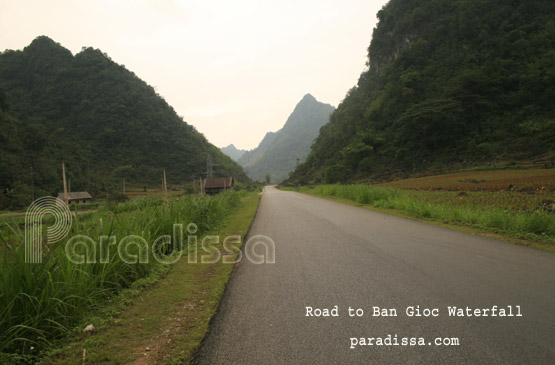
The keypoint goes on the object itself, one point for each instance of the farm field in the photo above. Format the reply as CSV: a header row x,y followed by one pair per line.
x,y
494,180
152,193
506,189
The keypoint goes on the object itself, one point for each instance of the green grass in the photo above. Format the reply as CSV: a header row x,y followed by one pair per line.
x,y
533,225
40,303
169,317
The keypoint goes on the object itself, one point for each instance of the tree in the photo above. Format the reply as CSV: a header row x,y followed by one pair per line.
x,y
105,122
3,101
450,82
268,178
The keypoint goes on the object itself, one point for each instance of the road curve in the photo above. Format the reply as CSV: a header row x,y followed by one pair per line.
x,y
330,254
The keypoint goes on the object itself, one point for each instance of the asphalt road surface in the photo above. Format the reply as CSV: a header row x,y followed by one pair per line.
x,y
329,254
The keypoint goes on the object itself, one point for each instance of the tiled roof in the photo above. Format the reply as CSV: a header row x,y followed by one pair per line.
x,y
222,182
75,195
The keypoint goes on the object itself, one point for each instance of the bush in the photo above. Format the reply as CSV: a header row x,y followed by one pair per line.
x,y
336,174
117,198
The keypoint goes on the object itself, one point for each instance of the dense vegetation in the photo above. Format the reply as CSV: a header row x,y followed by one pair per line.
x,y
279,153
40,303
450,83
98,117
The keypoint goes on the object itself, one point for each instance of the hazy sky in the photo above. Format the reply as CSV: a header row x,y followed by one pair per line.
x,y
234,69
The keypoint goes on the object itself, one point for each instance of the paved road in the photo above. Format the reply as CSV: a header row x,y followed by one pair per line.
x,y
331,254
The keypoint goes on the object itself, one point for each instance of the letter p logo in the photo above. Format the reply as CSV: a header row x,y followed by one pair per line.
x,y
33,226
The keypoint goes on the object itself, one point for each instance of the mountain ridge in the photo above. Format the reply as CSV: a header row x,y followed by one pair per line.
x,y
233,152
279,152
99,117
251,156
450,84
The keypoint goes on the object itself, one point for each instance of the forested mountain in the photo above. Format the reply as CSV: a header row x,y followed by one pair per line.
x,y
279,152
98,117
249,158
233,152
450,83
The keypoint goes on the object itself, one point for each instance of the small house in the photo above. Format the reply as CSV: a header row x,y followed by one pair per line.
x,y
217,185
78,197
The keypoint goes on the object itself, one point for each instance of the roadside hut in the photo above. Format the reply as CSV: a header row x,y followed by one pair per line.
x,y
78,197
217,185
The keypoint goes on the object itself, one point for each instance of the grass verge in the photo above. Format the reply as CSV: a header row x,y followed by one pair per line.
x,y
530,228
164,321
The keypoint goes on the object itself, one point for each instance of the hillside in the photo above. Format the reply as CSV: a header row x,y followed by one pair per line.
x,y
98,117
233,152
249,158
451,83
279,153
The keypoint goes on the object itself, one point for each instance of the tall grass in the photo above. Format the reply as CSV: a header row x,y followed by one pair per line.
x,y
523,223
42,302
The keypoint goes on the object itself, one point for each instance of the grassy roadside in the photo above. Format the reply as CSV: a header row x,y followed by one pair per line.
x,y
44,302
525,228
164,321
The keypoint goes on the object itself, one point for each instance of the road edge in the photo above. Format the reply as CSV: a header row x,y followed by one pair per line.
x,y
452,226
195,358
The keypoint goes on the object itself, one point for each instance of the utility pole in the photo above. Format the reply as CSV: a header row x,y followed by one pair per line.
x,y
209,167
165,186
65,186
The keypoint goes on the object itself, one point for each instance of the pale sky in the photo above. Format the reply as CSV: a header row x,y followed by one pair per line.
x,y
234,69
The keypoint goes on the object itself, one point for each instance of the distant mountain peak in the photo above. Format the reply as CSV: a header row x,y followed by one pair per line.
x,y
233,152
308,99
435,98
279,152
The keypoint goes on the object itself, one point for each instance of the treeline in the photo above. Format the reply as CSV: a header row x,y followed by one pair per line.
x,y
98,117
451,83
